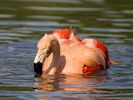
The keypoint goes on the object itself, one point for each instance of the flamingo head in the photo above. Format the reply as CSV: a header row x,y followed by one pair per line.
x,y
44,47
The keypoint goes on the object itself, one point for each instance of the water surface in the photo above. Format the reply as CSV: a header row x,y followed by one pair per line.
x,y
23,22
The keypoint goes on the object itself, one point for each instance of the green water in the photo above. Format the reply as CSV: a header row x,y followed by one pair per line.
x,y
23,22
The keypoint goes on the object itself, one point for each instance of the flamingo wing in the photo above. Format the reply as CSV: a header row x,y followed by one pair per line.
x,y
99,44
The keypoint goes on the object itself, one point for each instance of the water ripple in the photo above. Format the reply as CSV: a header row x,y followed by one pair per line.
x,y
127,11
28,23
45,17
116,20
107,30
60,1
63,9
8,8
121,24
6,15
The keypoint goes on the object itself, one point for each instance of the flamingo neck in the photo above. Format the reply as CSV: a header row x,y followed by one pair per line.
x,y
55,46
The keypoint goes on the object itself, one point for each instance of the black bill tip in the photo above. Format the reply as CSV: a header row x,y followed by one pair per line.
x,y
38,69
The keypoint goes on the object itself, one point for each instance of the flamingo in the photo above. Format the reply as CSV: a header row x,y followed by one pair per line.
x,y
68,55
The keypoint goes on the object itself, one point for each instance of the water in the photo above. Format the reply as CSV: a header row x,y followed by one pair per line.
x,y
23,22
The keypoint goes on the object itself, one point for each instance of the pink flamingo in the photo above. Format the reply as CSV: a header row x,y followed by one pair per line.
x,y
70,55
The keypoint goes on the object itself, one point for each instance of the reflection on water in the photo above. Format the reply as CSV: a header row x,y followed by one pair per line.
x,y
68,85
23,22
73,83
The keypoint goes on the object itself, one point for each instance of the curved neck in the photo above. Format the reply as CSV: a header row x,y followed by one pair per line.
x,y
55,46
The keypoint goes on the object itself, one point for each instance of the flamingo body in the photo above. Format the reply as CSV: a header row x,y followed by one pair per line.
x,y
68,34
68,54
69,63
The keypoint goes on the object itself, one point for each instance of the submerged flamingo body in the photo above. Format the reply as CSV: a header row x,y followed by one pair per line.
x,y
62,52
